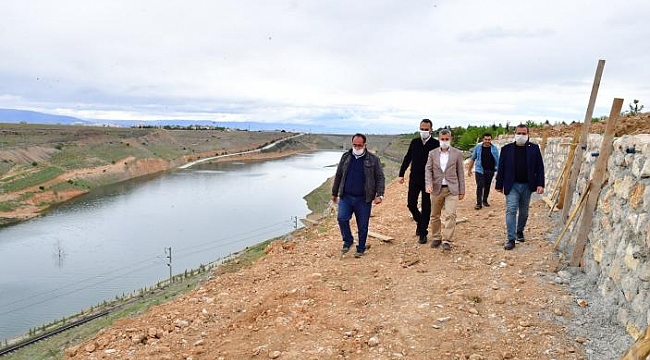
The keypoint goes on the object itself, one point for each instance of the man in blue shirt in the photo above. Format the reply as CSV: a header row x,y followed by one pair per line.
x,y
519,174
359,182
484,160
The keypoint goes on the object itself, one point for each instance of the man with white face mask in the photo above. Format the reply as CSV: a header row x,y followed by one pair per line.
x,y
416,158
359,182
520,173
444,177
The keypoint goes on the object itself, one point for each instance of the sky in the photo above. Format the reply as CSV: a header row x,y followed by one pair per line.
x,y
377,66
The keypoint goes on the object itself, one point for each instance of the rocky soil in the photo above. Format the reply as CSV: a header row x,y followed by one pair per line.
x,y
303,300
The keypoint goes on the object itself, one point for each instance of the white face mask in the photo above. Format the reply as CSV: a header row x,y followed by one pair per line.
x,y
424,134
358,152
445,144
521,139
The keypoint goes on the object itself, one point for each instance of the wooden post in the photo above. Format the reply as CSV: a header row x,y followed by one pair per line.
x,y
567,166
575,212
606,148
640,350
575,170
542,146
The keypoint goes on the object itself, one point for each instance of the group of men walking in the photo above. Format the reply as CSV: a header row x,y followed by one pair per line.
x,y
437,183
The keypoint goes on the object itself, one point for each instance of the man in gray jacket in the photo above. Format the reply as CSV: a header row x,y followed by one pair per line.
x,y
359,182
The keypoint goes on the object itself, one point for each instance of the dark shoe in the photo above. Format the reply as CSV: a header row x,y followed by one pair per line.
x,y
486,204
478,207
436,243
509,245
345,250
520,237
446,246
358,254
422,239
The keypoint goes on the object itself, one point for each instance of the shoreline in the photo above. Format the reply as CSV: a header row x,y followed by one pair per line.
x,y
30,211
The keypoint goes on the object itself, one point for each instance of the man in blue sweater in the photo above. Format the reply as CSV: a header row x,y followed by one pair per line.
x,y
519,174
484,160
359,182
416,157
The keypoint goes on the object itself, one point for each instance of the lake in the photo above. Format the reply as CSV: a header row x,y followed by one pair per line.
x,y
115,240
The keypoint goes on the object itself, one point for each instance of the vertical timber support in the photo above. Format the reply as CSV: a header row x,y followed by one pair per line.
x,y
575,169
566,171
606,148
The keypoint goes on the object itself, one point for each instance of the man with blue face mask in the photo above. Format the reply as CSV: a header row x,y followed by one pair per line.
x,y
359,182
416,157
520,173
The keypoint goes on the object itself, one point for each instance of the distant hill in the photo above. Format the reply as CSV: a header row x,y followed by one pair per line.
x,y
13,116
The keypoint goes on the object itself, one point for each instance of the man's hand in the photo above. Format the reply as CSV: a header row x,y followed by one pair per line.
x,y
469,172
401,179
429,190
499,190
377,200
335,199
461,196
540,190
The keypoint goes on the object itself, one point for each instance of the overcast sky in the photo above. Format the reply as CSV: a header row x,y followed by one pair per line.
x,y
379,66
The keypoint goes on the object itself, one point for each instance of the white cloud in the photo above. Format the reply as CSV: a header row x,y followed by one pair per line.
x,y
381,64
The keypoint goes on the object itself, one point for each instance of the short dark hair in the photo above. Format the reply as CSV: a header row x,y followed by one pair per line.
x,y
427,121
359,135
522,126
487,134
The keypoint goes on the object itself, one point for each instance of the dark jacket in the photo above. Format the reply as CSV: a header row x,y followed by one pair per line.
x,y
373,172
506,168
416,157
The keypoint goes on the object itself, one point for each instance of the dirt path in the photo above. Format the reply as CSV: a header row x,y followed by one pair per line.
x,y
401,300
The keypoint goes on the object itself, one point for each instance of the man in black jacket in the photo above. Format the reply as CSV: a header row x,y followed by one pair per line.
x,y
416,157
359,182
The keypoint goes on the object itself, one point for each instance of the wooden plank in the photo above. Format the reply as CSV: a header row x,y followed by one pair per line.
x,y
461,220
640,350
381,237
567,166
542,146
575,169
606,148
573,215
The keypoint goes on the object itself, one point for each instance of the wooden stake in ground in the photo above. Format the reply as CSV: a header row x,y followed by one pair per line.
x,y
640,350
573,215
567,166
575,170
606,148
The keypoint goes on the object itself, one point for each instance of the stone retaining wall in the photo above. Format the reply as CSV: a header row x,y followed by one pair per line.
x,y
617,256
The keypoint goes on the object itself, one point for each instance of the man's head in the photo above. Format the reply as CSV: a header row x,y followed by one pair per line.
x,y
358,144
487,139
426,125
521,129
425,129
521,134
444,136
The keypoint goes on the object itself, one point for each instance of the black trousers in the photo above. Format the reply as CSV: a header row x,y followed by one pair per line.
x,y
421,216
483,183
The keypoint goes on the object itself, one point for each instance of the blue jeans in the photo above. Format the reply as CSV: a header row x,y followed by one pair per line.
x,y
358,206
517,200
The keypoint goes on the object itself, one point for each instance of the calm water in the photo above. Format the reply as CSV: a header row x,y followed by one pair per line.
x,y
113,242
